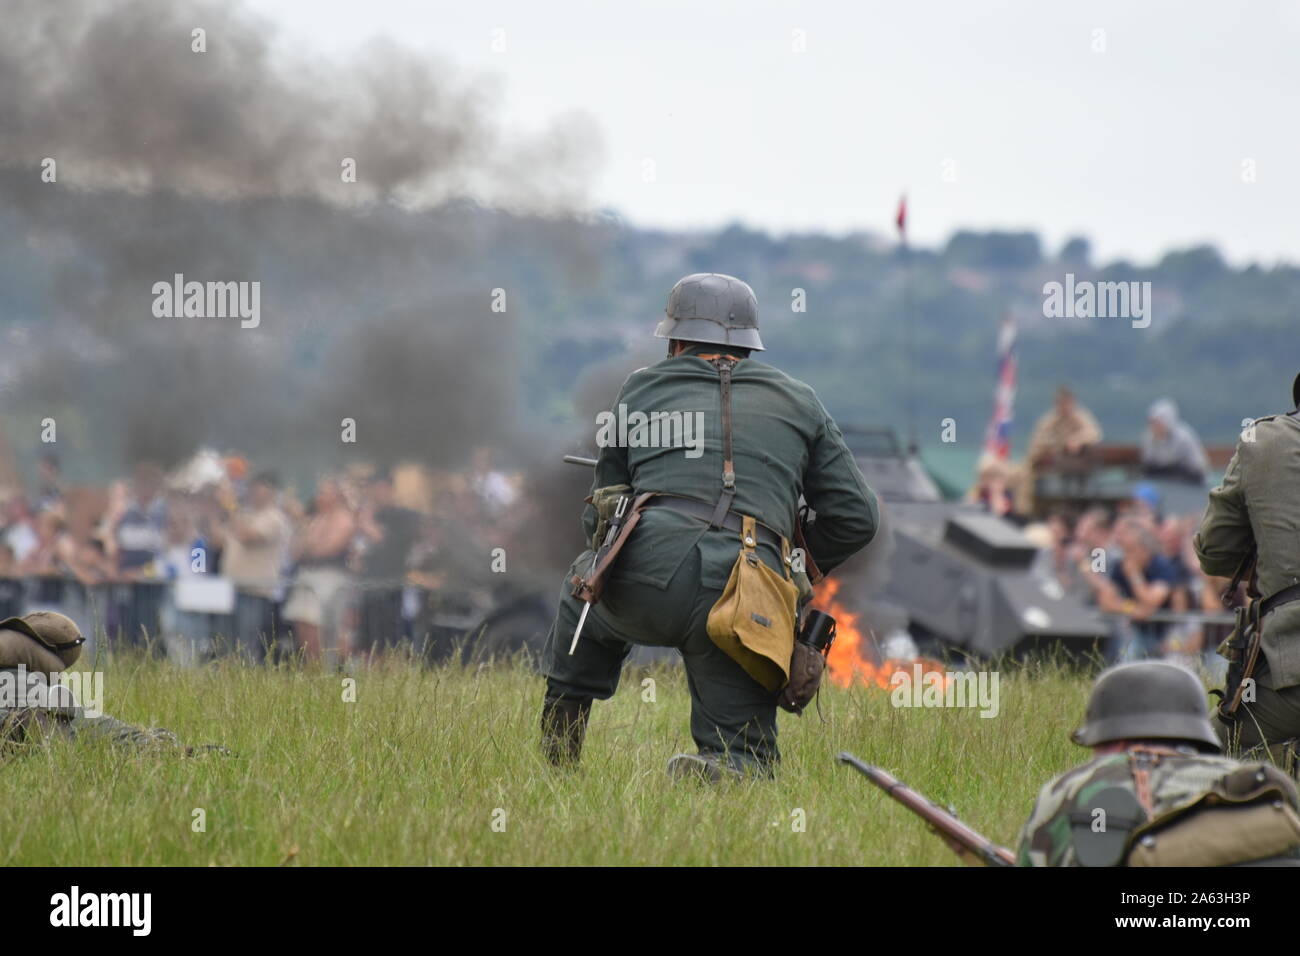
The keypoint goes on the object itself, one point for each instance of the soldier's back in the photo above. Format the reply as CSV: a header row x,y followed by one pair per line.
x,y
775,422
1158,806
784,444
1271,475
1257,505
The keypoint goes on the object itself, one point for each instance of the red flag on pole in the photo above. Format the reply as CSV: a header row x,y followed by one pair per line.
x,y
901,218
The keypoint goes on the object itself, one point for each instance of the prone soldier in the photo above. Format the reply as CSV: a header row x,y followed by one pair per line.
x,y
36,707
1158,792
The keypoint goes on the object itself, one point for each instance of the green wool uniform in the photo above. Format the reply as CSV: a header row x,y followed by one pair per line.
x,y
40,711
674,566
1258,503
1162,787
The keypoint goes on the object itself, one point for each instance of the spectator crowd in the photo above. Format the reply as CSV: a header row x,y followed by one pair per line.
x,y
1138,569
214,558
1129,558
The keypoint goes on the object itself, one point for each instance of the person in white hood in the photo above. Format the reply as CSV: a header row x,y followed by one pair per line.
x,y
1170,449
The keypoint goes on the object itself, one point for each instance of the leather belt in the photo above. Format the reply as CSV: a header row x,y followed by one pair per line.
x,y
1284,596
704,511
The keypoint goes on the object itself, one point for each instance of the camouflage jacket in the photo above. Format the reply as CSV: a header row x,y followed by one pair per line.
x,y
32,709
1162,782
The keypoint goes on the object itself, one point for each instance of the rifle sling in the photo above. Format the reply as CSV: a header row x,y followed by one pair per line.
x,y
1244,570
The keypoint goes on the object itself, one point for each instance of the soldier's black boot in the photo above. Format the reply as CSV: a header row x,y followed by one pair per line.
x,y
564,723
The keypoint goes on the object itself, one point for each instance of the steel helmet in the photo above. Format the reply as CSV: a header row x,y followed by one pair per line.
x,y
708,307
1147,700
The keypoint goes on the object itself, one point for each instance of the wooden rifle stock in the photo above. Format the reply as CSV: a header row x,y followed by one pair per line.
x,y
970,845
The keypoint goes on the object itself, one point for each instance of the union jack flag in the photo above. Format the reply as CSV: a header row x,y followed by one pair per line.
x,y
997,437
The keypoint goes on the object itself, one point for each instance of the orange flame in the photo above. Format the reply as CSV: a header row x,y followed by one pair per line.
x,y
850,661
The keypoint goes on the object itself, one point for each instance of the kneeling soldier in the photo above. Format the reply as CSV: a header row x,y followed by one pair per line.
x,y
710,569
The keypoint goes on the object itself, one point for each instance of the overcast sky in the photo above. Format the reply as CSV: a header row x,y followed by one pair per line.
x,y
1133,123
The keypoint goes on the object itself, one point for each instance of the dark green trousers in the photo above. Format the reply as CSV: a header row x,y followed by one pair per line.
x,y
1270,722
732,716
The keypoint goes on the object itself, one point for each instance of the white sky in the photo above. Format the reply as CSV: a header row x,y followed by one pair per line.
x,y
1139,147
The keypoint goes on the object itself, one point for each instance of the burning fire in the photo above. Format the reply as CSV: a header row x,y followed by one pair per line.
x,y
850,660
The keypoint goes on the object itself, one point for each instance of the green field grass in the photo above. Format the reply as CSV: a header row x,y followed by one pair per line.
x,y
418,767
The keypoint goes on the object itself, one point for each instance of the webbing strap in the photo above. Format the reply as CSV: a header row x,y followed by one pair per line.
x,y
724,365
1142,757
1142,783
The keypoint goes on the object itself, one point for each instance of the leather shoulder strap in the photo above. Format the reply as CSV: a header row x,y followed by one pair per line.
x,y
724,364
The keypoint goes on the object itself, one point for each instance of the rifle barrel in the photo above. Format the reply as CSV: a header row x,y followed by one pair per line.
x,y
579,460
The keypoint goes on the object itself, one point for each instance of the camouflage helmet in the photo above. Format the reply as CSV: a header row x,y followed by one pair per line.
x,y
1147,700
55,632
708,307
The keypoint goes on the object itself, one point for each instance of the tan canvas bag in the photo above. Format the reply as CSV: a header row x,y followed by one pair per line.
x,y
754,620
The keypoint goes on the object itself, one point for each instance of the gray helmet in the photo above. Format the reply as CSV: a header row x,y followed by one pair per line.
x,y
708,307
1147,700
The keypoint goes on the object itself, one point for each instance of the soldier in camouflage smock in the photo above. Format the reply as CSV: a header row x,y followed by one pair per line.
x,y
35,706
1158,793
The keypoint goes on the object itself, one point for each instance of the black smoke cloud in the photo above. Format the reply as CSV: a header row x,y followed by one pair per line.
x,y
225,166
115,91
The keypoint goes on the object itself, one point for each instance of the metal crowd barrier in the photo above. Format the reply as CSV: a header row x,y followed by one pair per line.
x,y
197,618
1179,617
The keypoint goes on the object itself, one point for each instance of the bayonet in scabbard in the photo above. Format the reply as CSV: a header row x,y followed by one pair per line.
x,y
588,589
